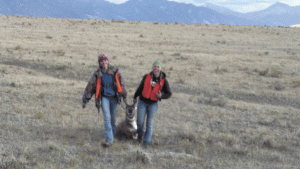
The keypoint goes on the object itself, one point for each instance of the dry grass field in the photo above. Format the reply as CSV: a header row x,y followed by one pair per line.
x,y
235,101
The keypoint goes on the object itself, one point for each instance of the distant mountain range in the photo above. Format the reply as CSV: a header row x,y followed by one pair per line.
x,y
278,14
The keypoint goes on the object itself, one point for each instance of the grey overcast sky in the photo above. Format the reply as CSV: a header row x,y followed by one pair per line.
x,y
239,6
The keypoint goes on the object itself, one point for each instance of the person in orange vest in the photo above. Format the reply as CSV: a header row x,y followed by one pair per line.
x,y
107,85
153,87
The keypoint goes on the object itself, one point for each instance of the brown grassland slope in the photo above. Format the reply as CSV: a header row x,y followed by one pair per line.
x,y
235,101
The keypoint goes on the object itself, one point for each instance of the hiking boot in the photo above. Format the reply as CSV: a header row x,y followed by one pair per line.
x,y
140,138
106,144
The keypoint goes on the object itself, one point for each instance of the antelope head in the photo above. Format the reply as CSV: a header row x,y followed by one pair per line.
x,y
130,110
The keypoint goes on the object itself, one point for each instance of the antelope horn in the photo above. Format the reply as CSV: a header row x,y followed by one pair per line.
x,y
125,103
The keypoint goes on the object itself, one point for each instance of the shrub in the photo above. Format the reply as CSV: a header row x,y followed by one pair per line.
x,y
201,98
279,86
276,73
228,139
296,83
39,115
17,47
29,155
223,42
59,52
187,136
182,58
138,56
264,72
9,51
176,54
180,81
49,37
268,142
222,101
41,95
143,157
219,70
118,21
61,67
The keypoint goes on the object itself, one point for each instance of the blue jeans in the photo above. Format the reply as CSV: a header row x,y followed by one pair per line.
x,y
109,108
143,111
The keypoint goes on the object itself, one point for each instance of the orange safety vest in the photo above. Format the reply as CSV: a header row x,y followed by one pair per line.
x,y
148,92
98,86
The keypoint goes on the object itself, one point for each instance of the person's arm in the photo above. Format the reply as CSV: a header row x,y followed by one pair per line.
x,y
139,90
166,91
89,91
124,91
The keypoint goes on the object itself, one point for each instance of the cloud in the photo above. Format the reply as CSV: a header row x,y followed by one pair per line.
x,y
291,2
248,7
117,1
239,6
194,2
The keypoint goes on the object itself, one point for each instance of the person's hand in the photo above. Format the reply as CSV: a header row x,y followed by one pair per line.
x,y
83,105
158,94
134,101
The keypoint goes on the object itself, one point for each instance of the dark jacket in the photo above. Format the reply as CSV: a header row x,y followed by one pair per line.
x,y
90,89
166,92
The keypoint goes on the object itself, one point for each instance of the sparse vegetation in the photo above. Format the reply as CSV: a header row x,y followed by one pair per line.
x,y
17,47
264,72
180,81
222,101
176,54
276,73
42,95
230,108
49,37
220,70
118,21
279,86
39,115
59,52
296,83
